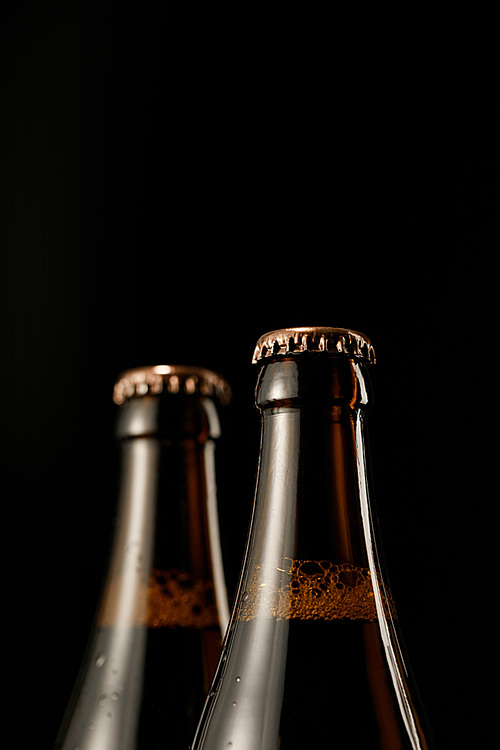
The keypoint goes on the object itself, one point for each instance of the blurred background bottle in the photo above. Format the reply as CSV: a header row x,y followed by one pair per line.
x,y
164,607
313,656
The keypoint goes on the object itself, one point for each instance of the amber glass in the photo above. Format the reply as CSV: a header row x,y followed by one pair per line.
x,y
159,624
313,656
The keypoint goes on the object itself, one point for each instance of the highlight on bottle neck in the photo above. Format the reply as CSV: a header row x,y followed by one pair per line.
x,y
322,365
159,399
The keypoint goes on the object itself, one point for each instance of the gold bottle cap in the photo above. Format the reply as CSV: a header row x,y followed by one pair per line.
x,y
142,381
293,341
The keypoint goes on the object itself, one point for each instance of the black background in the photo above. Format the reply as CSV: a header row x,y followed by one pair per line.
x,y
172,188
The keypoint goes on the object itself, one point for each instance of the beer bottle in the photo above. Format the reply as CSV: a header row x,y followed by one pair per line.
x,y
313,655
163,609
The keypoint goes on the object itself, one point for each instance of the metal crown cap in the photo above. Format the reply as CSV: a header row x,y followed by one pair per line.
x,y
293,341
142,381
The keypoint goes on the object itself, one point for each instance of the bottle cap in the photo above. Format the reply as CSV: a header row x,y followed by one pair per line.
x,y
142,381
334,341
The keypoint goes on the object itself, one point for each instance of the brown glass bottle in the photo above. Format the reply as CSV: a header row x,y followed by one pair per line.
x,y
313,655
163,610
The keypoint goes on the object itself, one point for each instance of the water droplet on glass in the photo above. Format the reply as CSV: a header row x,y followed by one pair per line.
x,y
238,679
102,700
100,660
91,725
234,704
115,697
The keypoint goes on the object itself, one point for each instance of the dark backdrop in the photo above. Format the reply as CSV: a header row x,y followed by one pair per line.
x,y
172,189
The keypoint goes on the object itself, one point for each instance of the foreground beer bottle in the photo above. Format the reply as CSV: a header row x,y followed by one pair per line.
x,y
159,624
313,655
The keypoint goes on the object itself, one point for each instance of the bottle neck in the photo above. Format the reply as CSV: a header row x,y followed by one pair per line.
x,y
311,548
166,563
169,418
316,380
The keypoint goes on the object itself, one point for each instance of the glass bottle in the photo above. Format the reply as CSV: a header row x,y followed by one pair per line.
x,y
163,609
313,656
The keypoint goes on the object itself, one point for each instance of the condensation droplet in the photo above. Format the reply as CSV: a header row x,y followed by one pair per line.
x,y
234,704
115,697
91,725
102,700
100,660
238,679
